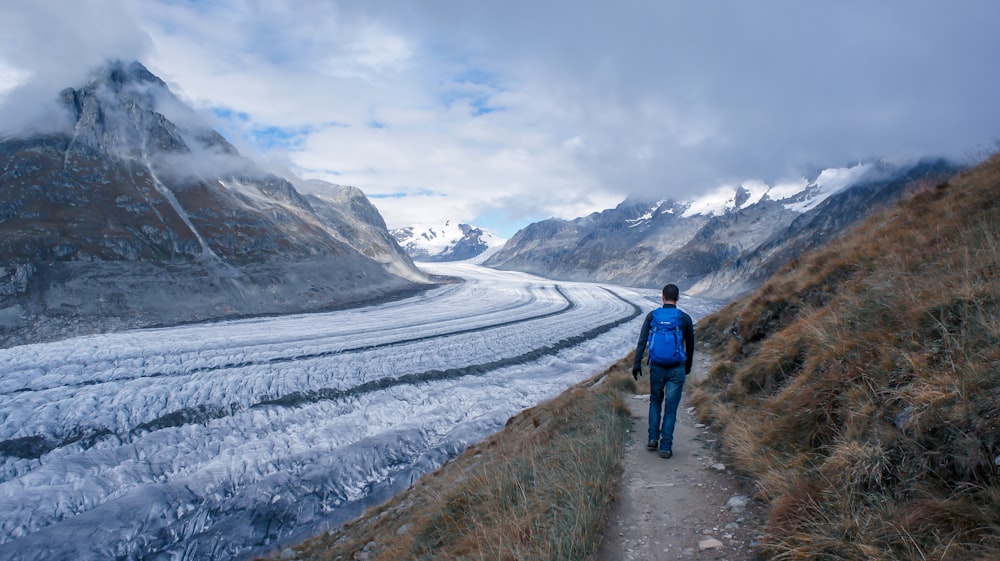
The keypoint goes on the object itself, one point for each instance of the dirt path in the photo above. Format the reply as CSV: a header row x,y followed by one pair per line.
x,y
682,507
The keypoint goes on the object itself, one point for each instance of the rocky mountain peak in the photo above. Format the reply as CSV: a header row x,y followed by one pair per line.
x,y
139,212
126,110
742,196
118,73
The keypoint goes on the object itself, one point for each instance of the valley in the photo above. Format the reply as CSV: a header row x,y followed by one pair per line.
x,y
216,440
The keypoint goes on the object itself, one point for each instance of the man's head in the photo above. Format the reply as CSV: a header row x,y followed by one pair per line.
x,y
670,294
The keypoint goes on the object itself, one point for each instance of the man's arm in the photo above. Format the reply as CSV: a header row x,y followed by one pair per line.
x,y
688,327
640,346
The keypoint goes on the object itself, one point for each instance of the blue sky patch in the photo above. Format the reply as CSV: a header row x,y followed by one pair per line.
x,y
500,222
239,124
422,192
478,102
269,138
228,114
474,88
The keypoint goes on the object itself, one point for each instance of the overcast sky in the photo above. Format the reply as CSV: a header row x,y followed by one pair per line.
x,y
500,113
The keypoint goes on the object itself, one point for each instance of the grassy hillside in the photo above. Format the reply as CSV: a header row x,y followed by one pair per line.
x,y
536,490
863,393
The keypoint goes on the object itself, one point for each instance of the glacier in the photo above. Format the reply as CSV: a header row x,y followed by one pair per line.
x,y
226,440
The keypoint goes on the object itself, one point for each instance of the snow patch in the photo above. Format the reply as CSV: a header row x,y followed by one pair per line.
x,y
632,223
714,203
830,182
801,196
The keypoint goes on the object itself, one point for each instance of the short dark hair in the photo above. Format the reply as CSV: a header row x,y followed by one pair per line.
x,y
671,292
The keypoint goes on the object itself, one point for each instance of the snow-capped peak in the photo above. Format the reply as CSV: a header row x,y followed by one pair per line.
x,y
799,196
727,199
451,241
829,182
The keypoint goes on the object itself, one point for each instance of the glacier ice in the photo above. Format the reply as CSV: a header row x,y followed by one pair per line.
x,y
222,440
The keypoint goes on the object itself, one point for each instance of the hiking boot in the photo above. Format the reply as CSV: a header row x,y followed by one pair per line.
x,y
653,444
666,454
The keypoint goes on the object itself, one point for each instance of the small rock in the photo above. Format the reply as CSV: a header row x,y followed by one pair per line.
x,y
738,503
403,529
732,526
699,426
287,553
903,419
719,467
687,552
365,554
709,543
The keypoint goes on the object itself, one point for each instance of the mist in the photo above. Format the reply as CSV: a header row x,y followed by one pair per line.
x,y
51,45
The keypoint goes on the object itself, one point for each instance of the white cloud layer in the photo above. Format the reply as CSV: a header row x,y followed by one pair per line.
x,y
498,113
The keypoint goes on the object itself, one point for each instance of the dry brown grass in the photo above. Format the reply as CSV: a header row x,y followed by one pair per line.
x,y
536,490
865,395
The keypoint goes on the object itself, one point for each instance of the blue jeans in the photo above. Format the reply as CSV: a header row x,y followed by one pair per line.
x,y
665,386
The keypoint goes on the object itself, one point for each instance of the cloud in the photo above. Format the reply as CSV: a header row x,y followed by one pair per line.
x,y
675,98
51,45
526,109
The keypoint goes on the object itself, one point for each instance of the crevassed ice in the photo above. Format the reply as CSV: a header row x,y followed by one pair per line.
x,y
221,440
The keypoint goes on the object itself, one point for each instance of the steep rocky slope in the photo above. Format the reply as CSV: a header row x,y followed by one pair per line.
x,y
859,385
138,213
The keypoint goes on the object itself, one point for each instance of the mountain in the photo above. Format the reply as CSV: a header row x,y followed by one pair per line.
x,y
720,245
448,242
860,387
349,212
138,213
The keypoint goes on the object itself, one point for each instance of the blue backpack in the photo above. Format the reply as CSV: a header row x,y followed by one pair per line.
x,y
666,340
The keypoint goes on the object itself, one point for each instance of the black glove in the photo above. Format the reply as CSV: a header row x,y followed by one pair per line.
x,y
636,372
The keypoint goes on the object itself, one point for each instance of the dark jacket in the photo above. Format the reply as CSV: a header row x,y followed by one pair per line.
x,y
687,330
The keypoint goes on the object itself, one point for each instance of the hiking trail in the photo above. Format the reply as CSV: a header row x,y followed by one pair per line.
x,y
689,507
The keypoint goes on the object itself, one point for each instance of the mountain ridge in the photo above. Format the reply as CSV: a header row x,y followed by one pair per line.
x,y
451,241
718,246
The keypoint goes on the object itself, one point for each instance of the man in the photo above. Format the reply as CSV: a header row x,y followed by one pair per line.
x,y
667,372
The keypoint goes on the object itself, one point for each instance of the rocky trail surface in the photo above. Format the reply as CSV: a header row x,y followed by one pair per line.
x,y
689,507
